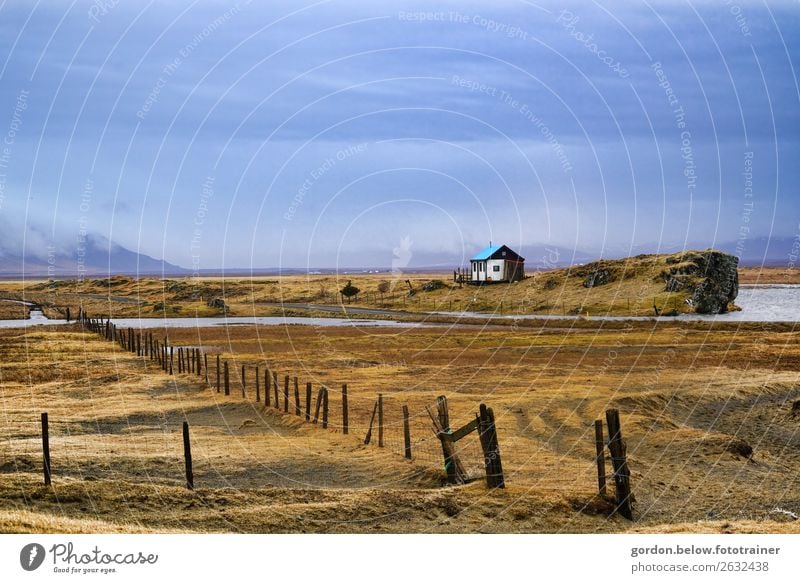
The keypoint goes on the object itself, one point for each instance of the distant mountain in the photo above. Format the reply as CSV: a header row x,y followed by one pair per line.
x,y
98,257
773,251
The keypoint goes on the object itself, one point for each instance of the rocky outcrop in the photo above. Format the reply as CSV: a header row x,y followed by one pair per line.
x,y
598,277
218,303
709,277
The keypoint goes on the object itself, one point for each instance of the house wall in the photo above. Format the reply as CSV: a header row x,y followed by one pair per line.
x,y
500,274
506,270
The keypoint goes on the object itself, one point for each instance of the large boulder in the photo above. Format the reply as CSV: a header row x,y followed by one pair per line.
x,y
710,277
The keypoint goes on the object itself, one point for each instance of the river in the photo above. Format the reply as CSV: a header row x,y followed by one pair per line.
x,y
759,303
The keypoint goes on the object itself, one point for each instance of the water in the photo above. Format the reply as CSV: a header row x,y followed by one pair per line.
x,y
759,303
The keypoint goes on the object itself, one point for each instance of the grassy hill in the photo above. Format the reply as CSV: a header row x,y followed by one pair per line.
x,y
642,285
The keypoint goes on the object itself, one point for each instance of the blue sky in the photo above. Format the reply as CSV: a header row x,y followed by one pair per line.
x,y
333,133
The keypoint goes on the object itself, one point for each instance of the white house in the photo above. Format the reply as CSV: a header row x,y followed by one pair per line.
x,y
497,263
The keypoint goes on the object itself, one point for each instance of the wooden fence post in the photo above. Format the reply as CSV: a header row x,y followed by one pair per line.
x,y
286,393
601,457
218,372
171,358
258,388
205,365
406,433
368,436
345,413
297,409
308,401
180,360
199,371
319,404
275,390
244,393
46,448
267,388
622,474
441,425
496,479
187,456
227,380
380,420
325,408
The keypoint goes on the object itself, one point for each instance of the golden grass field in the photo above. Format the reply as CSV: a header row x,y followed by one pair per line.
x,y
687,395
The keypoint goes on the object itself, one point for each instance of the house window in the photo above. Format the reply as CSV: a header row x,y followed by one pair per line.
x,y
496,268
474,267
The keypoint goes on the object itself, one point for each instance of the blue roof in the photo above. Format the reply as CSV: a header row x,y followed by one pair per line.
x,y
486,253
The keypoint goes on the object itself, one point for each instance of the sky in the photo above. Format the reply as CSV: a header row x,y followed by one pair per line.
x,y
343,133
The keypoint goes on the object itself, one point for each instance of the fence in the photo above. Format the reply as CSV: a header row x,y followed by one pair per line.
x,y
384,422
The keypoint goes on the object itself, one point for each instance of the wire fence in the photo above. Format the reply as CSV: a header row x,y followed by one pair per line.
x,y
383,421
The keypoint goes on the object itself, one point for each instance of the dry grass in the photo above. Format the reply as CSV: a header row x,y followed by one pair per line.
x,y
636,287
764,275
685,394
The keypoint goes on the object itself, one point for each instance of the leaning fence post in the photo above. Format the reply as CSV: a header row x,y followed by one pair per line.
x,y
319,404
296,397
275,390
601,456
205,365
187,456
345,418
622,475
368,436
46,448
406,433
267,388
380,420
286,393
